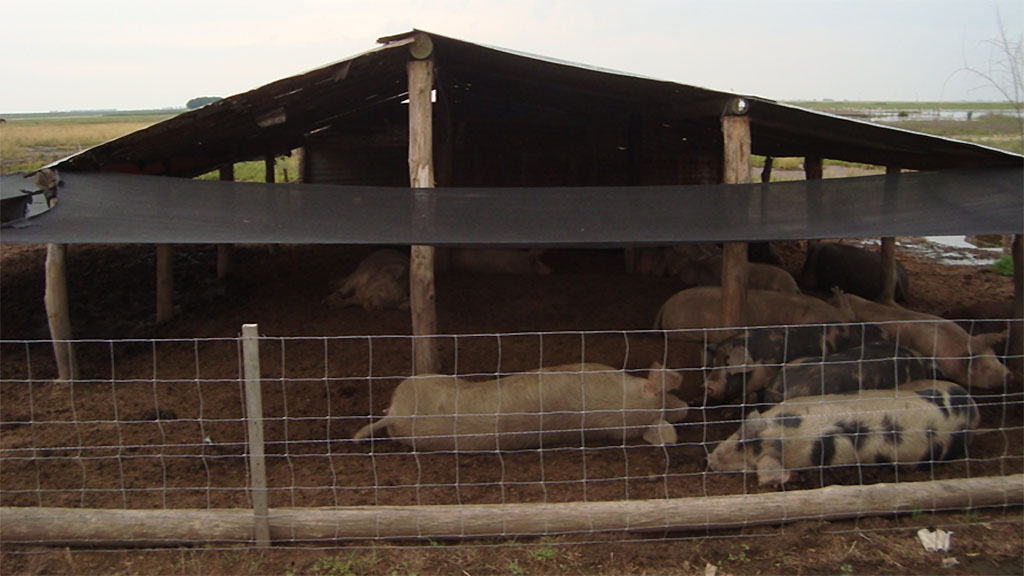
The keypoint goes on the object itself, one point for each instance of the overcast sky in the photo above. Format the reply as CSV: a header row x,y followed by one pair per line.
x,y
132,54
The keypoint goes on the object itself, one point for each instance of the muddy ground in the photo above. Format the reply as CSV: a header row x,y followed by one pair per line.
x,y
155,420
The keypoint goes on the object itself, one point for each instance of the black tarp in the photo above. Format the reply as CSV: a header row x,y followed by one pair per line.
x,y
122,208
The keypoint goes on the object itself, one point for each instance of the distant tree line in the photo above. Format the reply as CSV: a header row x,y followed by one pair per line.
x,y
201,101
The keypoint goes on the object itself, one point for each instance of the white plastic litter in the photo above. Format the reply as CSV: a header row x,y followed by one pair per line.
x,y
937,541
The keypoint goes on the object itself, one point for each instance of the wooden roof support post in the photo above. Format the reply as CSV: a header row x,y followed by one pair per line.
x,y
421,175
736,170
887,279
164,282
225,251
270,176
814,169
57,311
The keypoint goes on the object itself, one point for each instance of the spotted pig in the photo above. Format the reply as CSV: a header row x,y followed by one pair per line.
x,y
874,366
746,363
930,422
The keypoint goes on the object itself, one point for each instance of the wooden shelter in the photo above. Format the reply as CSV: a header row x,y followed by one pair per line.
x,y
425,111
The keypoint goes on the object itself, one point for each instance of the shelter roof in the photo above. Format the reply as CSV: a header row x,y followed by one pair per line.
x,y
275,118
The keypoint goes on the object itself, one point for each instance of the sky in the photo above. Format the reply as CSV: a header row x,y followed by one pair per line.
x,y
62,55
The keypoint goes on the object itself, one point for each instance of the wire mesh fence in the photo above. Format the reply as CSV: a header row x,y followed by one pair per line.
x,y
161,425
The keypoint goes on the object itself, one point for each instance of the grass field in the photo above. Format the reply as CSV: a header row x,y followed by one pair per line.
x,y
29,141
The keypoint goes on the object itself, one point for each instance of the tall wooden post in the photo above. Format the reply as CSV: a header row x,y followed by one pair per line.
x,y
164,282
58,312
887,274
225,251
254,429
736,170
422,297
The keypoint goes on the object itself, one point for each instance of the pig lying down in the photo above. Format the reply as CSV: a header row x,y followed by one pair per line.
x,y
564,404
697,308
926,421
965,359
707,271
746,363
381,281
874,366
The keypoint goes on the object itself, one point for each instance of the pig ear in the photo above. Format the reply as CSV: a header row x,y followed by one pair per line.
x,y
981,341
659,379
739,357
753,425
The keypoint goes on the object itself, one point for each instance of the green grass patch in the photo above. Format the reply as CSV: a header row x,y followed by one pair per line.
x,y
1003,266
286,169
29,141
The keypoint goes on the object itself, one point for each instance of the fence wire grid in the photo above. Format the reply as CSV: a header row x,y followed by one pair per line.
x,y
161,424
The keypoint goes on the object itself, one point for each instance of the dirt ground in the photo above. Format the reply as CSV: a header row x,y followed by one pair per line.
x,y
155,419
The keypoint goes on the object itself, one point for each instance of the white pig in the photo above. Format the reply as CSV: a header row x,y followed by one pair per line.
x,y
555,405
380,281
925,421
968,360
701,307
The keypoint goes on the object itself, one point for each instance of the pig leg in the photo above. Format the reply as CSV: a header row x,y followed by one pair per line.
x,y
661,433
368,430
675,409
770,472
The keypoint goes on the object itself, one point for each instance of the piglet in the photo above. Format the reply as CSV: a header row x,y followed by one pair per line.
x,y
566,404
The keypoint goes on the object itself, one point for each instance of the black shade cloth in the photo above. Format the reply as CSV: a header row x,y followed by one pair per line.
x,y
117,208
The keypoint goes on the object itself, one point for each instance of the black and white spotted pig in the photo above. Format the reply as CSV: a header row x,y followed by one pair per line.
x,y
874,366
747,362
926,422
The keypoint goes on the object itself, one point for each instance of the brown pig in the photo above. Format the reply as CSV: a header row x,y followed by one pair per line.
x,y
965,359
380,281
701,307
565,404
707,271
